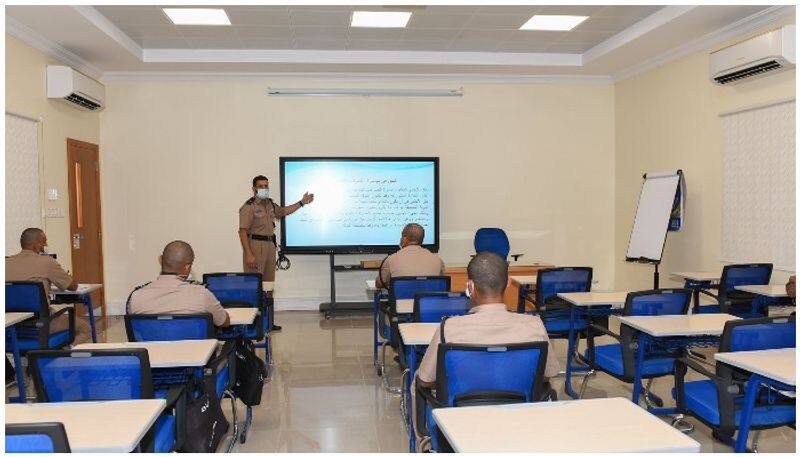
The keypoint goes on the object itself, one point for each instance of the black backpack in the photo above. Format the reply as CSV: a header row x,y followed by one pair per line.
x,y
251,373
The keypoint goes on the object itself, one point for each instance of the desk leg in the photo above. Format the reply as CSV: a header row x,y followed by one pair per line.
x,y
376,299
411,358
571,344
12,334
86,299
637,376
747,413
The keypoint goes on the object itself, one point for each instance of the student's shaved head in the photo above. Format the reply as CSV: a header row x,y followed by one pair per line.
x,y
177,254
414,233
489,272
30,236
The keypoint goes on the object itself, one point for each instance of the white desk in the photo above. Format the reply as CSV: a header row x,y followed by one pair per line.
x,y
371,285
686,325
698,276
242,316
530,281
405,306
777,364
417,333
16,318
615,299
83,289
772,291
598,425
166,354
103,426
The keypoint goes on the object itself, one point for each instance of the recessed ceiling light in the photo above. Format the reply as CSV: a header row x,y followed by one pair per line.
x,y
197,16
384,19
548,22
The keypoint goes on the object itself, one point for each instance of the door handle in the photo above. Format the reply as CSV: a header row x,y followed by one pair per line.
x,y
76,240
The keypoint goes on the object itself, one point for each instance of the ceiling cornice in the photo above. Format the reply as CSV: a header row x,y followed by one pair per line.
x,y
742,27
359,77
49,48
101,22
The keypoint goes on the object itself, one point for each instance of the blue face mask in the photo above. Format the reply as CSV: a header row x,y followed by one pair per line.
x,y
262,194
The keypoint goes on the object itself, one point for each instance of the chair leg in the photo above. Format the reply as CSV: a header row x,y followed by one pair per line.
x,y
423,443
388,387
590,373
403,384
235,433
756,435
681,424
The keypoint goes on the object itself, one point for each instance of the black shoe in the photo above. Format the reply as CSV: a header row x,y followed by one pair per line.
x,y
276,328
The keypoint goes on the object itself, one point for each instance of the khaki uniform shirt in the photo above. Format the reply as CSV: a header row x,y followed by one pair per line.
x,y
170,294
30,266
489,324
412,260
257,216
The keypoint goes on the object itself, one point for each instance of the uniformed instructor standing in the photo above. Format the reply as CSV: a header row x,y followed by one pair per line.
x,y
257,229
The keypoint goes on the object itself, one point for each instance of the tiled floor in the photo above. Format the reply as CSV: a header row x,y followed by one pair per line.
x,y
324,395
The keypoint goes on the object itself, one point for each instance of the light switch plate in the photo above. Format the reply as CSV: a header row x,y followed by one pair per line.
x,y
52,194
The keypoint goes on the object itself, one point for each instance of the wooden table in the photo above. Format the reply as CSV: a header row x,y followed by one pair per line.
x,y
458,281
166,354
772,367
11,320
94,426
609,425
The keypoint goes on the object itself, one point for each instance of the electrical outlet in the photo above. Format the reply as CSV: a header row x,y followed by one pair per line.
x,y
55,212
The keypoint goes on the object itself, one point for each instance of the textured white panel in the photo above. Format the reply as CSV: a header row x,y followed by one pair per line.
x,y
23,201
758,186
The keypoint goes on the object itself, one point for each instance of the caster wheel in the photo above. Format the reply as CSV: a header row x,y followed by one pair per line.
x,y
378,371
242,438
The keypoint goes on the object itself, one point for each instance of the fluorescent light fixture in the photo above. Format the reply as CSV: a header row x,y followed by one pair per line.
x,y
552,22
197,16
371,92
381,19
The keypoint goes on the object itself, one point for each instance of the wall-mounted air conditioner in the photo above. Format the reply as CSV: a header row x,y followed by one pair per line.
x,y
75,88
763,55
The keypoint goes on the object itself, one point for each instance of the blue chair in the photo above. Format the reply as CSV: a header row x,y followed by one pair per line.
x,y
244,290
716,401
434,306
109,374
619,359
493,240
38,438
169,327
403,288
473,375
553,310
737,302
30,296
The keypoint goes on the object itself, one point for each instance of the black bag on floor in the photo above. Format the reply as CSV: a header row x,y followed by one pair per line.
x,y
205,421
251,373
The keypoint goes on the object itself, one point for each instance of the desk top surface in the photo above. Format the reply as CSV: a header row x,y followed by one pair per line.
x,y
522,280
242,316
83,289
103,426
684,325
417,333
166,354
772,290
16,318
698,275
371,284
616,299
405,306
624,427
777,364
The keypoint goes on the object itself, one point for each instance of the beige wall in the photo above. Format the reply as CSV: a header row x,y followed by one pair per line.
x,y
26,96
667,119
536,160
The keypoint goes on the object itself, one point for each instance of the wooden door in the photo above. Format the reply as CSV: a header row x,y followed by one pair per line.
x,y
84,213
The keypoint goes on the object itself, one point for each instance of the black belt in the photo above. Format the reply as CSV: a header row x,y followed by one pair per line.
x,y
262,237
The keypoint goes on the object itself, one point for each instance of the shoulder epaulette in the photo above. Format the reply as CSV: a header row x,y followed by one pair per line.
x,y
250,200
128,301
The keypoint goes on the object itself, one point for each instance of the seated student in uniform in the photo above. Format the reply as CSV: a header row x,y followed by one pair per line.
x,y
172,293
488,322
411,260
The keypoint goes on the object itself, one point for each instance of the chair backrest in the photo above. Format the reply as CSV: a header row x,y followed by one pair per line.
x,y
489,374
492,240
238,290
99,374
407,287
169,327
433,306
757,334
747,274
553,281
27,296
658,302
39,437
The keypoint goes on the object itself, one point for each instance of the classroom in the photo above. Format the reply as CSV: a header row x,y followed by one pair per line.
x,y
284,227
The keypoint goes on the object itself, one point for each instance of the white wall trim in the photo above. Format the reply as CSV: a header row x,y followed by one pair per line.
x,y
359,57
738,28
49,48
101,22
635,31
779,101
358,77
